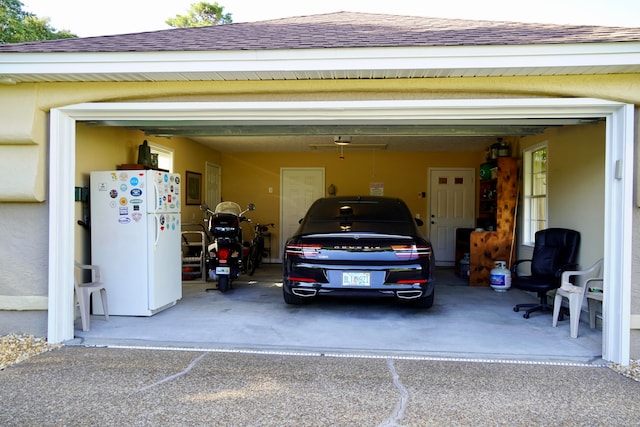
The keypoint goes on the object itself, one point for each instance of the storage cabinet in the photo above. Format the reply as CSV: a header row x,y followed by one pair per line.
x,y
498,197
488,205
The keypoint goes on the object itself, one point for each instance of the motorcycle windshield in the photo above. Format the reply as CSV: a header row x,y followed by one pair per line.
x,y
228,207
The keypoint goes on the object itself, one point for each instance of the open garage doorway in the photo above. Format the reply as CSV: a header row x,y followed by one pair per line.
x,y
618,174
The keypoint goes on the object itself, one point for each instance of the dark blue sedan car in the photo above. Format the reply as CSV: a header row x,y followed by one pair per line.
x,y
359,246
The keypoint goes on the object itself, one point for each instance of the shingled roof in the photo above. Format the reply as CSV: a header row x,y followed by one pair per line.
x,y
336,30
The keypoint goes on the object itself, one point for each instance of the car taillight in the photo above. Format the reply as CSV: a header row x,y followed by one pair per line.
x,y
411,251
303,250
411,281
302,279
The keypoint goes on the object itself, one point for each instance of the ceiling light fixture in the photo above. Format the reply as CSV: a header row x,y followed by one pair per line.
x,y
342,140
4,80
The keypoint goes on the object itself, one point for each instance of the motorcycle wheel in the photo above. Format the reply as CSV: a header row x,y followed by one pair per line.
x,y
223,283
258,255
251,261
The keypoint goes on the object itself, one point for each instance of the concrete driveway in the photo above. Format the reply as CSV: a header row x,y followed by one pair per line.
x,y
79,386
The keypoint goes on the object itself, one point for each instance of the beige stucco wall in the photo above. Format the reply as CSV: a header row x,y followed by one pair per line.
x,y
23,137
24,128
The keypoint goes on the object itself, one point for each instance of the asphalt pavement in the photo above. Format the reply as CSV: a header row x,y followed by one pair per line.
x,y
81,386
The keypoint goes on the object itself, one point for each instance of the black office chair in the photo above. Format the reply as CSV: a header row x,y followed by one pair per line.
x,y
555,251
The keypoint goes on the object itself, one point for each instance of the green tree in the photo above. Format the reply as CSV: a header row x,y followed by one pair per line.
x,y
17,25
201,15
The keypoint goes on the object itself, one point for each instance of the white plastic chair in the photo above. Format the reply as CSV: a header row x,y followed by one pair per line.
x,y
85,289
575,294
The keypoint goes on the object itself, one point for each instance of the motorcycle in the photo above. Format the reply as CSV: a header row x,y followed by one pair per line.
x,y
225,248
256,247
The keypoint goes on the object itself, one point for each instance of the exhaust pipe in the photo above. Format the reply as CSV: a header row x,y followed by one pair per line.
x,y
304,292
409,294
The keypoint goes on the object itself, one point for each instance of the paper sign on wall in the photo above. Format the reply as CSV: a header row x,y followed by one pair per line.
x,y
376,188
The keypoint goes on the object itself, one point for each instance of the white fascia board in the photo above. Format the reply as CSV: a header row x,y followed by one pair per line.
x,y
376,111
401,58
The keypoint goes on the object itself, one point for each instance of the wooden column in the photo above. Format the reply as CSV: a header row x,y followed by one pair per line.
x,y
487,247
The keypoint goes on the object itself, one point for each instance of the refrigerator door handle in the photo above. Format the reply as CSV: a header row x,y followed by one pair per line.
x,y
156,230
156,197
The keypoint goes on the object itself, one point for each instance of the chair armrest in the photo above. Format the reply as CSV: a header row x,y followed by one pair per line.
x,y
96,275
567,275
571,288
514,266
567,268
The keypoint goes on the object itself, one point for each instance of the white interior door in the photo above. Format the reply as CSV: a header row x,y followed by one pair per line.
x,y
452,205
299,188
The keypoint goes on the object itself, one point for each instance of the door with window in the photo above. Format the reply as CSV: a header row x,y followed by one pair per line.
x,y
452,206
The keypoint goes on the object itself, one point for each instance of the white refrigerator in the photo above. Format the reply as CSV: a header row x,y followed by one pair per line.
x,y
135,239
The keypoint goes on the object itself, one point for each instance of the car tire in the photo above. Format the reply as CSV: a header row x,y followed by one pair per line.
x,y
425,302
293,299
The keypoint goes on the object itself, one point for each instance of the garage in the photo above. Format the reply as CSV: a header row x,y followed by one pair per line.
x,y
424,112
418,102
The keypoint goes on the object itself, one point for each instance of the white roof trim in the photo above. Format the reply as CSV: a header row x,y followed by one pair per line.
x,y
375,111
179,65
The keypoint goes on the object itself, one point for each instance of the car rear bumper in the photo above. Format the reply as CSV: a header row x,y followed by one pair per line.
x,y
403,292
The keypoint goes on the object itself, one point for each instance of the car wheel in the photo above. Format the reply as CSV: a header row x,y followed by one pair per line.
x,y
293,299
425,302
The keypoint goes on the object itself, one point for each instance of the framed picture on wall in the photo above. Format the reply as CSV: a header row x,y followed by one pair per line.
x,y
194,188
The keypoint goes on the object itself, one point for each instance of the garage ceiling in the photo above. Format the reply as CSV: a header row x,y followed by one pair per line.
x,y
298,136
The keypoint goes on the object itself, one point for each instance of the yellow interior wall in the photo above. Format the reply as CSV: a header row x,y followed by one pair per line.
x,y
576,184
246,177
105,148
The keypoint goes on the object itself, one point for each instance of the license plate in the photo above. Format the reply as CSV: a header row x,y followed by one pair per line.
x,y
356,279
223,270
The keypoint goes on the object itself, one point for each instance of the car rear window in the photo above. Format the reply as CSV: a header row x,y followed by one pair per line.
x,y
376,215
369,215
359,210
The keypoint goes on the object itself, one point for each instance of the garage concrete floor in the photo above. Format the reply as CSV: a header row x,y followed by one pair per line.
x,y
464,323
